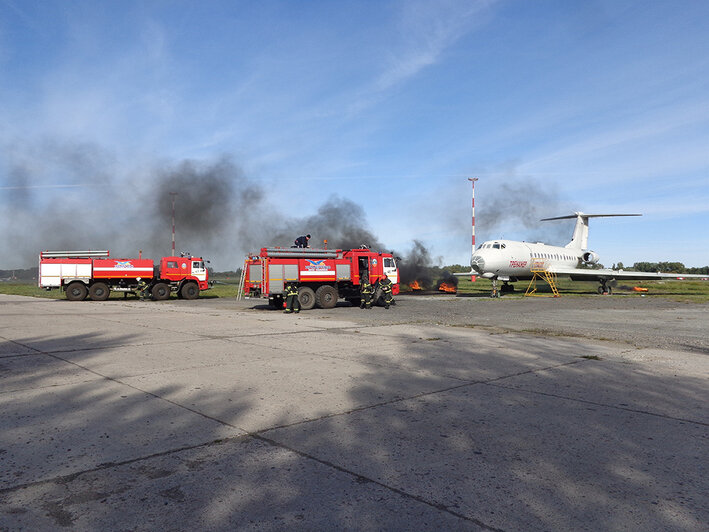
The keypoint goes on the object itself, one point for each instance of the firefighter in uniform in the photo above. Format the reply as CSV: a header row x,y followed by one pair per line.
x,y
141,289
302,241
292,303
367,292
385,285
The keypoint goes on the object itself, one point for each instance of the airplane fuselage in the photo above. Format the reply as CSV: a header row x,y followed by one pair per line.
x,y
510,260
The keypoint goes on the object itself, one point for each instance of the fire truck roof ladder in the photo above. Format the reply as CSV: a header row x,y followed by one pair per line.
x,y
302,252
74,254
242,278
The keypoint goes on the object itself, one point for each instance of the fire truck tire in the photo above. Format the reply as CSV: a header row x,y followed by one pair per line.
x,y
326,296
190,291
99,292
160,292
306,296
76,291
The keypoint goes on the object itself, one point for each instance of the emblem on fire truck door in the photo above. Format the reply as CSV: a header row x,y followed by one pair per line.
x,y
374,262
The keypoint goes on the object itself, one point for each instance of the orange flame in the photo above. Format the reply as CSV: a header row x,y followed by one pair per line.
x,y
415,286
448,288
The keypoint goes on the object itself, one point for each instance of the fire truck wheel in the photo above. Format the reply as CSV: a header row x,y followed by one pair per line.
x,y
76,291
99,292
160,292
190,291
326,296
306,296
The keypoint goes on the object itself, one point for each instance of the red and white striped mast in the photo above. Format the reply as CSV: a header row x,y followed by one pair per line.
x,y
472,181
173,194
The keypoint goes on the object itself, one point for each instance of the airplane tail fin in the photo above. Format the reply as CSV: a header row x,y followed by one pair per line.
x,y
579,240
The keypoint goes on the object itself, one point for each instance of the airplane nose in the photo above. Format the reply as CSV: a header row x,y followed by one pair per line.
x,y
477,263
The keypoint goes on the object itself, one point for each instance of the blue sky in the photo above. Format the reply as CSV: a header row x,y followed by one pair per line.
x,y
556,106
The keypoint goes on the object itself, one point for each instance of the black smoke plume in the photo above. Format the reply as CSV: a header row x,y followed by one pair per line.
x,y
521,204
217,208
340,221
448,278
220,213
416,266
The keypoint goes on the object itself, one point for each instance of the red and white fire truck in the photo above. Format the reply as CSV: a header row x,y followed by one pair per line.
x,y
94,274
322,275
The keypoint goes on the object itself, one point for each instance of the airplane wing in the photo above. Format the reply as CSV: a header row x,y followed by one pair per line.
x,y
578,274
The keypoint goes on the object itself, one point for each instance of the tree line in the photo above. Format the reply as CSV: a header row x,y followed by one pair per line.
x,y
669,267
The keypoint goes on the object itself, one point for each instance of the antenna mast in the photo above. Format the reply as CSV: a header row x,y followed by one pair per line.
x,y
173,194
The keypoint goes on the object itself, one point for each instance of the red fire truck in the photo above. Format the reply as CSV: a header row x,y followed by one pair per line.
x,y
94,274
322,275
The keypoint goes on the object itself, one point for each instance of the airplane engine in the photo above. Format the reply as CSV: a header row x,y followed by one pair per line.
x,y
590,257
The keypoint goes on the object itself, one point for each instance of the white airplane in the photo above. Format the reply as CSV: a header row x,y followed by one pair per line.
x,y
510,261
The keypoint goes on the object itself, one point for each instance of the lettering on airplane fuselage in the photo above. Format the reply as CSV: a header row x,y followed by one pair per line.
x,y
518,264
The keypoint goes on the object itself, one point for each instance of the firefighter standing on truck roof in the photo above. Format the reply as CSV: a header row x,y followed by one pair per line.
x,y
385,285
292,303
302,241
367,291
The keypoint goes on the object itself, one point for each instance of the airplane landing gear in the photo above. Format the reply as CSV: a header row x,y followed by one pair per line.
x,y
606,287
495,292
507,288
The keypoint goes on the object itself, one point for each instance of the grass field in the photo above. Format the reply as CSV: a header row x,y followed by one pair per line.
x,y
222,289
687,291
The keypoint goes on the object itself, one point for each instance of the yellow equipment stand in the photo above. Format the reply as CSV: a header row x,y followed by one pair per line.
x,y
539,271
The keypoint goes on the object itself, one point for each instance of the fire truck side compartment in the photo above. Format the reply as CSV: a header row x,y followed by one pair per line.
x,y
255,272
343,272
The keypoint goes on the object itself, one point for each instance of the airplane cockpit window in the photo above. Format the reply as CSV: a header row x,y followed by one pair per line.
x,y
496,245
502,246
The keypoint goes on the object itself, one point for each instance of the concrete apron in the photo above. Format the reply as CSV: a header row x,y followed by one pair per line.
x,y
140,416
